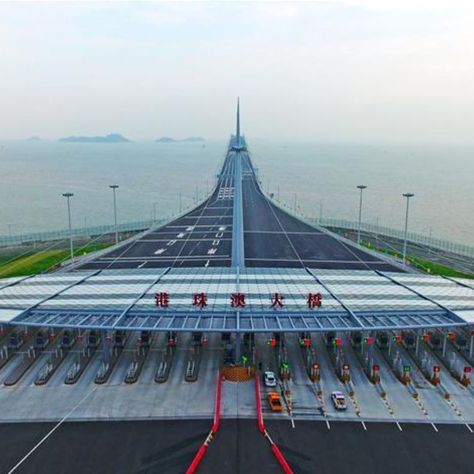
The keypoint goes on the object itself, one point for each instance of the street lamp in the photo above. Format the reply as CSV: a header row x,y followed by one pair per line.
x,y
408,196
114,187
68,196
361,187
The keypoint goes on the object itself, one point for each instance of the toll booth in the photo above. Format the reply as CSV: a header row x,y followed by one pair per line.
x,y
145,339
119,339
67,340
409,340
93,339
16,340
172,338
41,341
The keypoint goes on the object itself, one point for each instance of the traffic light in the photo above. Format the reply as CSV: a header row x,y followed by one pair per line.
x,y
272,342
397,339
337,341
306,341
369,340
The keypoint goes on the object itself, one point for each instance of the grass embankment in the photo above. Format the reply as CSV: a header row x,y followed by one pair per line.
x,y
425,265
37,262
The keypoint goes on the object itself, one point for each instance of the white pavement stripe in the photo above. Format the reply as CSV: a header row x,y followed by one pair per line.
x,y
328,425
42,440
363,424
399,426
469,428
276,259
434,427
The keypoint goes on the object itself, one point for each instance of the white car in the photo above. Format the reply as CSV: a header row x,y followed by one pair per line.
x,y
339,400
269,379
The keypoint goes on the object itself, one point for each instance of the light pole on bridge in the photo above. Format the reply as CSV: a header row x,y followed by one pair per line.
x,y
361,187
68,196
114,187
408,196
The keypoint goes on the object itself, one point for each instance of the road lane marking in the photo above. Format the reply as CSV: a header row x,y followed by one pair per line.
x,y
399,427
142,264
159,251
212,251
469,428
171,242
42,440
328,425
181,235
365,427
434,427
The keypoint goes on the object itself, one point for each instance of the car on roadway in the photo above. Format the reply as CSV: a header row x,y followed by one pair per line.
x,y
274,401
339,400
269,379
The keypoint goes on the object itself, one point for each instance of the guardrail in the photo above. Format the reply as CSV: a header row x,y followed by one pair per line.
x,y
78,232
440,244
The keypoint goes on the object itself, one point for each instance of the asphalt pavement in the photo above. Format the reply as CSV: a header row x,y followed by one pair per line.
x,y
272,237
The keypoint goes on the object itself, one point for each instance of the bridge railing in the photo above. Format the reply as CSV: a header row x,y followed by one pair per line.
x,y
63,234
440,244
414,237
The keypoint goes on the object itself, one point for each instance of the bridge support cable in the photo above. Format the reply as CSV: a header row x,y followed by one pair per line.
x,y
238,256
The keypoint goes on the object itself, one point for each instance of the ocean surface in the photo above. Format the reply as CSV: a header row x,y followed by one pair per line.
x,y
321,178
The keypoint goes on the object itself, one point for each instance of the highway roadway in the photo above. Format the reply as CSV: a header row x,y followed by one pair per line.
x,y
272,237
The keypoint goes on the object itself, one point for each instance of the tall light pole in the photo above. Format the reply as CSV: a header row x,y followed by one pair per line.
x,y
68,196
114,187
361,187
408,196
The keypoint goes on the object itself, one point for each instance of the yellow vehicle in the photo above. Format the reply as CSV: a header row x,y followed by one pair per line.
x,y
274,401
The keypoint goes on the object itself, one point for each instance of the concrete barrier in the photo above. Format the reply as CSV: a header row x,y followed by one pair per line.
x,y
217,421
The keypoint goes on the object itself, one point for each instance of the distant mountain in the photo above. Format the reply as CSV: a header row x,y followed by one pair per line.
x,y
166,140
174,140
111,138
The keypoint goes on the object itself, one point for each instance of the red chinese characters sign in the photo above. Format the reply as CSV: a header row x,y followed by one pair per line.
x,y
237,300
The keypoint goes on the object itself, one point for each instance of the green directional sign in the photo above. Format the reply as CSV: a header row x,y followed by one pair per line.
x,y
245,358
406,368
285,365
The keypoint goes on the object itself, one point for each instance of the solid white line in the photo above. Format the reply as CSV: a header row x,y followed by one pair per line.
x,y
22,460
142,264
292,423
434,427
469,428
328,425
363,424
399,427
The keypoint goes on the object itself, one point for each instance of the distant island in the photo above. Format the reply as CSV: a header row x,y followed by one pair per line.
x,y
174,140
111,138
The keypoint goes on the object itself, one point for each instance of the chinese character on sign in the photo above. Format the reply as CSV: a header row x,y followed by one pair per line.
x,y
277,301
314,300
162,300
200,300
237,300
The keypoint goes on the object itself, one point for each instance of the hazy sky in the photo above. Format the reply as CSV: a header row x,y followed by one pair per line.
x,y
347,70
